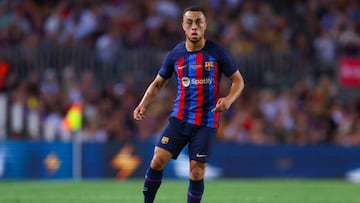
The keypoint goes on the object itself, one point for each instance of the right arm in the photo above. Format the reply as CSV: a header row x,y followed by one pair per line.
x,y
151,92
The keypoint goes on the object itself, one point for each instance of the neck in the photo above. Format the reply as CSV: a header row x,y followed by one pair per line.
x,y
195,46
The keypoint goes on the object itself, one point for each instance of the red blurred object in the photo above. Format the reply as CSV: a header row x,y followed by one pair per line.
x,y
4,70
349,72
248,123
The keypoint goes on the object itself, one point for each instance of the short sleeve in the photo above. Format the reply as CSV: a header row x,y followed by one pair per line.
x,y
227,64
167,68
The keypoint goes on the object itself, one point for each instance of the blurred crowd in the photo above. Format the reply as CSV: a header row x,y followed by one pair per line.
x,y
314,28
308,112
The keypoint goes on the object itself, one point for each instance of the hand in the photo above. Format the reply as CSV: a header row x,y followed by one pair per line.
x,y
139,113
221,105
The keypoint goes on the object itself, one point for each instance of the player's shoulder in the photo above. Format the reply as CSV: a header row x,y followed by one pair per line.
x,y
179,48
213,45
175,53
216,49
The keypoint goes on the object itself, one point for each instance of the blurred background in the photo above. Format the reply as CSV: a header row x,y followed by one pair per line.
x,y
72,71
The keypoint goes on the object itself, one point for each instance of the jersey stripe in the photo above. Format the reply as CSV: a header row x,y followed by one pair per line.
x,y
180,106
192,100
207,101
208,116
216,93
199,89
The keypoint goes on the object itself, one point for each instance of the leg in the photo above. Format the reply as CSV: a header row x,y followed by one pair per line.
x,y
170,144
196,186
153,175
199,151
160,159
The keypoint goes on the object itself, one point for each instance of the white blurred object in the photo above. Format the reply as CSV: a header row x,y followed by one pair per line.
x,y
33,124
353,175
3,116
2,162
17,117
182,167
52,127
168,8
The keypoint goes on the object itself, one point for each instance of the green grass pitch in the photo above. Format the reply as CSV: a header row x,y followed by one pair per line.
x,y
174,191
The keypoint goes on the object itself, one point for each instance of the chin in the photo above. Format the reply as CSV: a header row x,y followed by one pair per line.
x,y
194,40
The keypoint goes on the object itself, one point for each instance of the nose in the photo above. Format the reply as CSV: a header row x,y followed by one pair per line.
x,y
193,26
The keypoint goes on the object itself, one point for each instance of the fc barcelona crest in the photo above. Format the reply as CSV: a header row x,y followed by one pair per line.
x,y
209,65
165,140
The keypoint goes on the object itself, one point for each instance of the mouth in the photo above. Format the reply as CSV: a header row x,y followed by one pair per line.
x,y
194,35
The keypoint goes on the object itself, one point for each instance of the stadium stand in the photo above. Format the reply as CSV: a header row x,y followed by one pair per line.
x,y
102,54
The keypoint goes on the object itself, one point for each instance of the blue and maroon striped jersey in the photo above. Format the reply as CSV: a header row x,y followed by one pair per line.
x,y
198,77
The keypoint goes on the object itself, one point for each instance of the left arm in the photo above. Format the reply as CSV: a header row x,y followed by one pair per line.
x,y
237,86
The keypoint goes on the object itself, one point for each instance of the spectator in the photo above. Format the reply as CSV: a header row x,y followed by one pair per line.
x,y
298,41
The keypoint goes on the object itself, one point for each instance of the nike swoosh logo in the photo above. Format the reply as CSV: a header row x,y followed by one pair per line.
x,y
201,155
181,67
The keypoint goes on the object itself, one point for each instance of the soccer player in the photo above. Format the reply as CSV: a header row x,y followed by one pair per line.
x,y
198,64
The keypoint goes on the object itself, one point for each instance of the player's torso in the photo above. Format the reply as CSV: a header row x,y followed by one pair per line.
x,y
198,82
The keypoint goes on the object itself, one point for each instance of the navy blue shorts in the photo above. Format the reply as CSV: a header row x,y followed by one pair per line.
x,y
177,134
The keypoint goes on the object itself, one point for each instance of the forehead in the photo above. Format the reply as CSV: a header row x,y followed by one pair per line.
x,y
193,15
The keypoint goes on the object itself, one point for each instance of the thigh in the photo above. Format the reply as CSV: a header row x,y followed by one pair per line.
x,y
174,137
160,159
201,143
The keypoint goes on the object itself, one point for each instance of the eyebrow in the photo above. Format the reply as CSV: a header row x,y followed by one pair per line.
x,y
190,19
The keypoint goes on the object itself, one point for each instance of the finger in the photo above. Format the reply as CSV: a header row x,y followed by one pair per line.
x,y
219,101
216,109
135,114
139,117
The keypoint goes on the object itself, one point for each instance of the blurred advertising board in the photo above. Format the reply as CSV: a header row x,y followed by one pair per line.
x,y
43,160
349,72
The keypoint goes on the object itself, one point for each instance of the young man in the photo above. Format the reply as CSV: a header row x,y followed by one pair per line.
x,y
198,64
